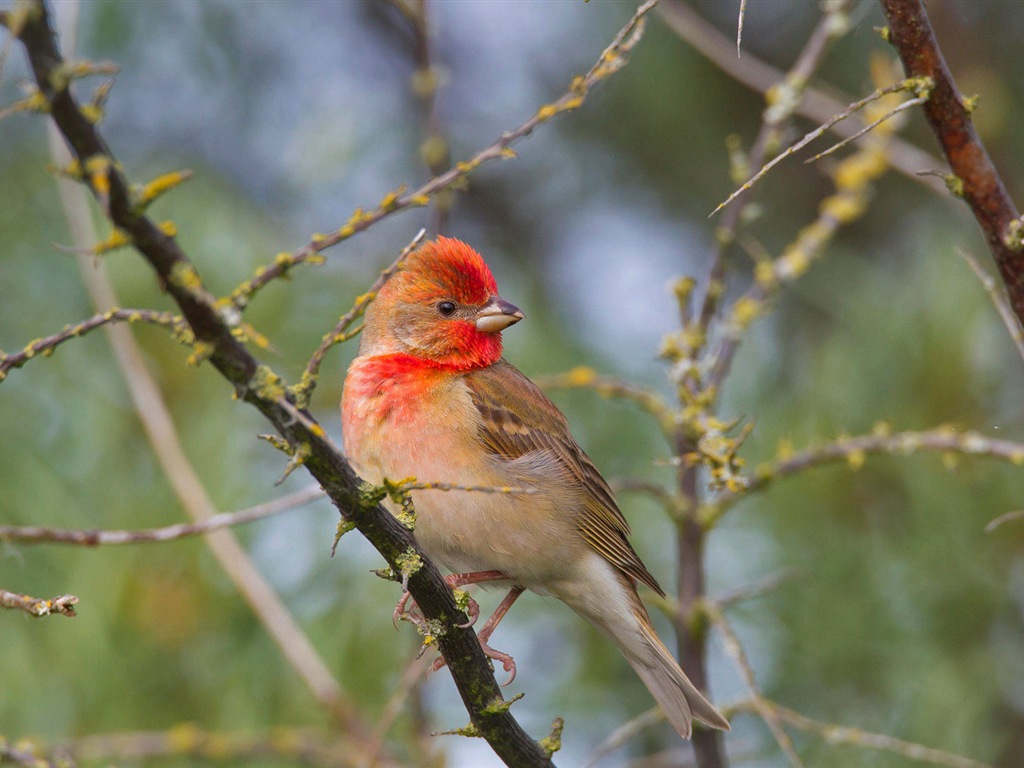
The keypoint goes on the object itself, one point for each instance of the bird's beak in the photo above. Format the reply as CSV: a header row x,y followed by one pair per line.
x,y
497,315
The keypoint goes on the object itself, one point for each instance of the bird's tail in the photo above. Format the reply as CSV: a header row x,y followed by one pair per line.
x,y
612,605
668,684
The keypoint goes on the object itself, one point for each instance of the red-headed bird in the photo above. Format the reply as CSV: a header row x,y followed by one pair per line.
x,y
430,396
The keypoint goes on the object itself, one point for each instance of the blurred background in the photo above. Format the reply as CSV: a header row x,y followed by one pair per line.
x,y
903,616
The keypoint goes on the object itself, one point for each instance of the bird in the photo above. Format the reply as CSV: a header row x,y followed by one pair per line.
x,y
430,396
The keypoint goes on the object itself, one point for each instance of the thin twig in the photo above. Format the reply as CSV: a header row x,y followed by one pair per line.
x,y
769,583
998,296
94,538
611,60
34,606
839,734
412,676
739,29
583,377
291,745
48,344
767,713
1004,518
854,450
625,733
912,84
867,128
341,331
816,104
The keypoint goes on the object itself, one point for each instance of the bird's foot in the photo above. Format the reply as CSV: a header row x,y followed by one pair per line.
x,y
507,662
405,612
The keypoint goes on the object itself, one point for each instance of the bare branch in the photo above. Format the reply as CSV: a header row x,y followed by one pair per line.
x,y
854,451
94,538
839,734
34,606
611,60
816,104
624,734
341,332
47,345
998,296
918,86
768,584
583,377
1004,518
949,115
873,124
26,755
292,745
759,705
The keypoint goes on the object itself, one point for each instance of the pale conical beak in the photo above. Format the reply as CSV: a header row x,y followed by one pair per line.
x,y
497,315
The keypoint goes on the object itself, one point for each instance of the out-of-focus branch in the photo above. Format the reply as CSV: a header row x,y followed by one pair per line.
x,y
612,59
48,344
854,451
734,648
817,104
27,755
787,92
949,115
840,734
583,377
426,79
295,745
998,297
41,535
34,606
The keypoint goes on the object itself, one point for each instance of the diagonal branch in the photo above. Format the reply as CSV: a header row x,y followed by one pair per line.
x,y
612,59
950,118
261,387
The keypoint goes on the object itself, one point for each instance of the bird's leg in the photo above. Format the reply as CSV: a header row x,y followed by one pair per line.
x,y
454,581
484,635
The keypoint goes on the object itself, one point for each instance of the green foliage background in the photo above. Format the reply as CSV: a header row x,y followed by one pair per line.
x,y
905,618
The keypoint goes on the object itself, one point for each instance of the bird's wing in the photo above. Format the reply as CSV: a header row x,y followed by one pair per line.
x,y
516,418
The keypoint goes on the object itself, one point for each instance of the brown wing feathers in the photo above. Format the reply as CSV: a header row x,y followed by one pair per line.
x,y
540,426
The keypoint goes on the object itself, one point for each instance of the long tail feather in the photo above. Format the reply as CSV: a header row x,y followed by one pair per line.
x,y
609,601
668,684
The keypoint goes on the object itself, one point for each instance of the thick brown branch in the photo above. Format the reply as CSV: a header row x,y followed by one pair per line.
x,y
950,118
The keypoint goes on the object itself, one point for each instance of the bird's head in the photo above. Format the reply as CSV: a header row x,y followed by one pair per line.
x,y
442,305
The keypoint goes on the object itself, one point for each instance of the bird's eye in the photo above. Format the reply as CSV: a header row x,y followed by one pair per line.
x,y
446,308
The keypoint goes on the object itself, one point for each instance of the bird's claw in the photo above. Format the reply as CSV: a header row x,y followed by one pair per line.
x,y
403,612
472,611
507,662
